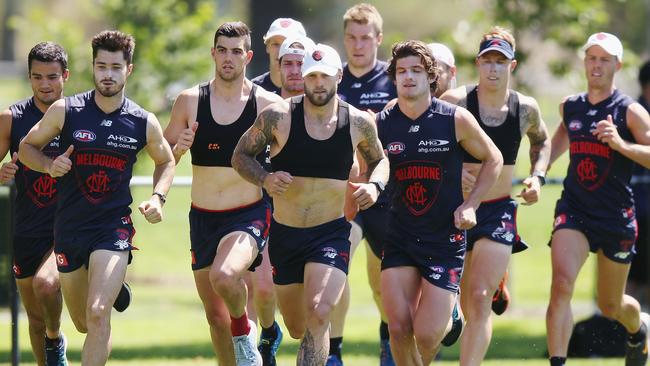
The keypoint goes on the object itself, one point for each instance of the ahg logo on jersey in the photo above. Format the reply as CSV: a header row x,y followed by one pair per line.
x,y
84,135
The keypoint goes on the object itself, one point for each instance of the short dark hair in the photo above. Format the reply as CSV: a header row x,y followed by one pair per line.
x,y
48,52
112,41
414,48
644,74
234,30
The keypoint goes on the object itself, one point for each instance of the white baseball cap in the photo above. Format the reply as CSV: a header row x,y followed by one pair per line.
x,y
609,42
322,58
285,27
442,53
285,48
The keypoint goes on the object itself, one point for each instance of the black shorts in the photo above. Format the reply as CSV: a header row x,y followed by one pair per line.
x,y
117,236
208,227
290,248
373,222
497,221
440,263
616,236
29,253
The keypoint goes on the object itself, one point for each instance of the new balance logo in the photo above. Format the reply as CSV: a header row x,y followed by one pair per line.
x,y
592,112
356,86
106,123
414,128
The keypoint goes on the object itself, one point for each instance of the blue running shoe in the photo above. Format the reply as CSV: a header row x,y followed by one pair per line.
x,y
457,322
385,354
55,351
268,347
333,360
123,299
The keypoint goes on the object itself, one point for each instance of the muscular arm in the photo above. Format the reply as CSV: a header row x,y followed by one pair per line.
x,y
369,147
560,139
457,96
42,133
477,143
638,122
178,122
161,154
253,142
540,144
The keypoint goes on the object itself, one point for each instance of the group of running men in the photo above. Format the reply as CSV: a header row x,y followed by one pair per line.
x,y
293,168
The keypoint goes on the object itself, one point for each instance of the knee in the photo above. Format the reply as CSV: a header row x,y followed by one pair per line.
x,y
609,309
562,286
319,314
264,294
480,302
223,281
400,329
427,341
46,287
98,315
218,319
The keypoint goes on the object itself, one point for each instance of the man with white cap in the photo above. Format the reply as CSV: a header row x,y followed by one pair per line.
x,y
365,85
606,133
279,30
313,140
506,116
291,54
447,64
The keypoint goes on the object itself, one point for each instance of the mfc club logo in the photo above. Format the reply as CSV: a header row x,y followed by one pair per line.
x,y
419,184
84,136
317,55
591,162
99,173
41,188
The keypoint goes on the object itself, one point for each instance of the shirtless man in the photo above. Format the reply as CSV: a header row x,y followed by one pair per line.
x,y
313,140
228,219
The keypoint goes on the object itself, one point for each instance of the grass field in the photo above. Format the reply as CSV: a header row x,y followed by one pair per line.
x,y
165,324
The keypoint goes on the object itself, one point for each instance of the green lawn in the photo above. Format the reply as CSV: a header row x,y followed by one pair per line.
x,y
165,325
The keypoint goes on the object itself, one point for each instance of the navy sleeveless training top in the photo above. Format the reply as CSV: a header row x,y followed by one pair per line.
x,y
598,178
370,91
214,143
426,163
96,190
304,156
36,192
265,82
506,136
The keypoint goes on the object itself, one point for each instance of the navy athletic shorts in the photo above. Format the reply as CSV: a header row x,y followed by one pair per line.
x,y
439,262
29,253
373,222
73,252
208,227
497,221
290,248
616,236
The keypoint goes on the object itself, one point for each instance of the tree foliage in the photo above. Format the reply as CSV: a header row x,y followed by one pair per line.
x,y
173,40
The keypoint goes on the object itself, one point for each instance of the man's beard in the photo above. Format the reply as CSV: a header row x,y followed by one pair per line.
x,y
320,101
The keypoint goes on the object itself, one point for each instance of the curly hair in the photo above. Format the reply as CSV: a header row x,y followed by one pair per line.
x,y
415,48
113,41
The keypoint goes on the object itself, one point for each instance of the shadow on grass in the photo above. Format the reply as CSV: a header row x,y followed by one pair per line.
x,y
504,346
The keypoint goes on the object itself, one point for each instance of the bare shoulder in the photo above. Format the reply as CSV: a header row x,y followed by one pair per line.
x,y
265,98
187,96
637,115
527,102
457,96
359,118
529,113
6,117
274,114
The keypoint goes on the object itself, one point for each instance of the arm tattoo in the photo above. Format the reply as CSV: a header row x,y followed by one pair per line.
x,y
370,149
253,142
531,121
308,355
